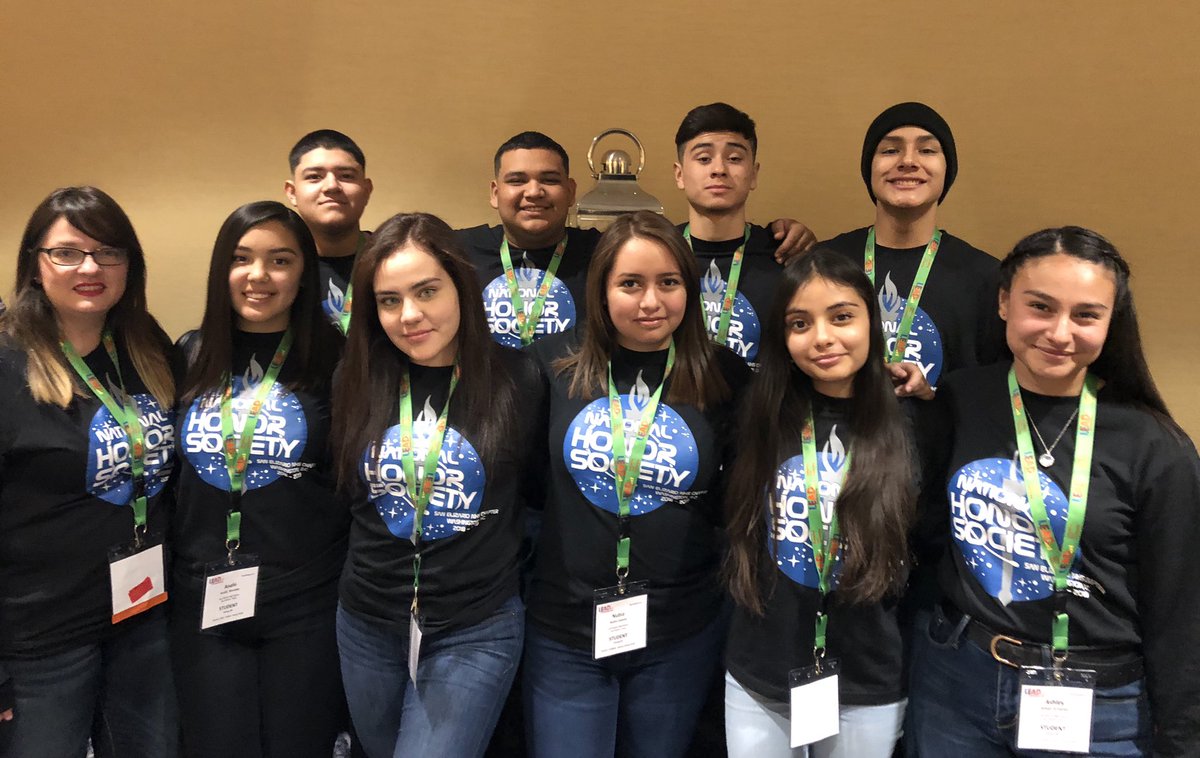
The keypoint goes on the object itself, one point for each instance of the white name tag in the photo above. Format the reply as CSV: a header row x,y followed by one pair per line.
x,y
414,647
136,579
814,698
620,620
1055,710
230,592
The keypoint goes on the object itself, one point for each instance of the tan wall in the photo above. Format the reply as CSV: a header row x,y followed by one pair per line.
x,y
1066,112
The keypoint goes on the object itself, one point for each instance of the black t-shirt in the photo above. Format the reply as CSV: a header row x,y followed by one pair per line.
x,y
472,530
865,638
956,324
565,302
677,519
335,273
1133,583
756,287
65,483
291,518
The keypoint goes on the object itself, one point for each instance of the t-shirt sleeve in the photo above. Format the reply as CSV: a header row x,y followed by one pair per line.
x,y
1168,534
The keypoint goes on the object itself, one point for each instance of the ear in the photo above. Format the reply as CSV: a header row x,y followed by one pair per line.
x,y
289,189
370,187
494,202
678,175
570,184
754,177
1003,305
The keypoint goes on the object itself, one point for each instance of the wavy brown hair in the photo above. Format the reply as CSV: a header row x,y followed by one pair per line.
x,y
696,379
31,322
876,506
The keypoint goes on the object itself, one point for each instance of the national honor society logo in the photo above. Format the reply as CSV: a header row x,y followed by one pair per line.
x,y
744,327
558,313
280,434
787,516
109,472
924,346
994,531
457,500
669,462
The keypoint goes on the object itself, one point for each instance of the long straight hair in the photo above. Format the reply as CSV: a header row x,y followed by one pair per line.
x,y
365,395
1122,361
316,342
695,379
31,320
876,505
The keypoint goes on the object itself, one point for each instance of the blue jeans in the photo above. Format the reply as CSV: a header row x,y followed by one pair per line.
x,y
462,679
962,701
119,692
756,727
646,701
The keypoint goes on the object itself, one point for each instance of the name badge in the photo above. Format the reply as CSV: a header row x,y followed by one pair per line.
x,y
136,576
1055,711
414,646
814,700
230,590
620,619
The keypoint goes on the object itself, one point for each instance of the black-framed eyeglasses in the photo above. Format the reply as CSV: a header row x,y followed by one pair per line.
x,y
71,256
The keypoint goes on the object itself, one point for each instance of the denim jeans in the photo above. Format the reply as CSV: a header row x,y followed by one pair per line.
x,y
962,701
642,703
462,679
118,691
756,727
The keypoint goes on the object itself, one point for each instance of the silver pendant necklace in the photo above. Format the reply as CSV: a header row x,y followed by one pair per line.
x,y
1046,459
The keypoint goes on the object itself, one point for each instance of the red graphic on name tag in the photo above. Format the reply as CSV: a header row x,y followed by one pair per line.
x,y
140,589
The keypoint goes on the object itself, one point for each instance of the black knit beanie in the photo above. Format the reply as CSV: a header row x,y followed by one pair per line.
x,y
909,114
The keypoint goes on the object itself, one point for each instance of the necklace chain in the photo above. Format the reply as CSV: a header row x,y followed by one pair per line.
x,y
1047,458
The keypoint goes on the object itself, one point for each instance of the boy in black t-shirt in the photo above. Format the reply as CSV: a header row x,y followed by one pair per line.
x,y
716,167
909,162
329,188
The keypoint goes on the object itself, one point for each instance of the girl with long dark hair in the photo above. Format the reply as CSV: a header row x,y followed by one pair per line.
x,y
1070,619
432,445
259,535
86,449
625,600
821,499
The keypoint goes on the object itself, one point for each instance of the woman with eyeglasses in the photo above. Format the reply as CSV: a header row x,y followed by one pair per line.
x,y
86,445
258,534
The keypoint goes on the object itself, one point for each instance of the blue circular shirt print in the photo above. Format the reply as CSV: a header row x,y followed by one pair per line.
x,y
994,532
669,461
924,346
457,501
109,471
558,312
280,434
745,330
787,516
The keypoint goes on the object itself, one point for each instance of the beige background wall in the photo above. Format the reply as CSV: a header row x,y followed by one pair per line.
x,y
1065,112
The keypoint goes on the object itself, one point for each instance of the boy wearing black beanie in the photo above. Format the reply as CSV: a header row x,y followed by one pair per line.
x,y
909,162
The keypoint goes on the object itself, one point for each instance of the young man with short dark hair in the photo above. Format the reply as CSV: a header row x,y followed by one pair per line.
x,y
329,188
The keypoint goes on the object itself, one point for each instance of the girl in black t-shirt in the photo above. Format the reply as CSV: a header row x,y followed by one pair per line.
x,y
86,449
431,444
625,602
822,386
1090,569
258,553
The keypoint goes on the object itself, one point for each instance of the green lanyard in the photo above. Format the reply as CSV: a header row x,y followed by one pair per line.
x,y
238,441
825,544
914,294
344,315
126,414
420,492
628,467
731,287
527,325
1059,557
